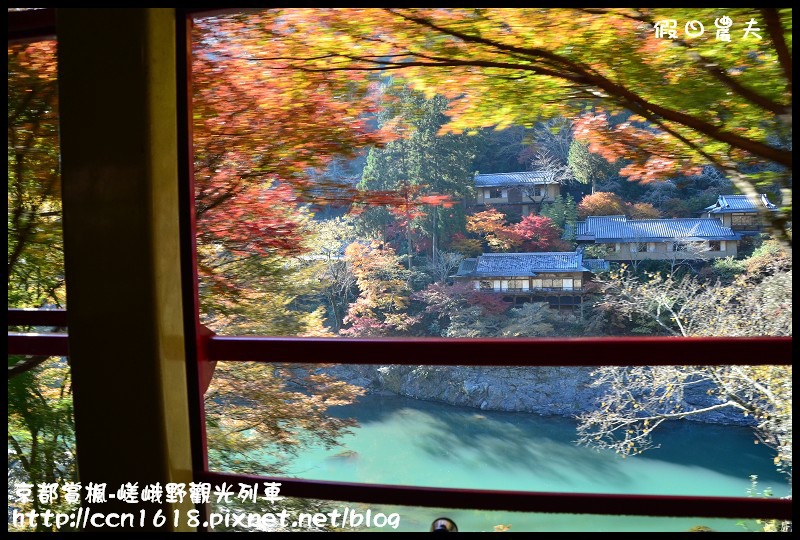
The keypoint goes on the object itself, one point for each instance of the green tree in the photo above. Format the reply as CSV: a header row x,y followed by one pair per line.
x,y
41,434
587,167
562,211
500,150
421,162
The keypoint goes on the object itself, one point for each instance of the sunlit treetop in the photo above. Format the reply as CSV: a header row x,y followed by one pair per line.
x,y
520,65
695,98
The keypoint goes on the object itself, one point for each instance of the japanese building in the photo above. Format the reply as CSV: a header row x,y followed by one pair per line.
x,y
558,278
515,192
656,239
740,213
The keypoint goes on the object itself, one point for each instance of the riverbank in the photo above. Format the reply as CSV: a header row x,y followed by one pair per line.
x,y
560,391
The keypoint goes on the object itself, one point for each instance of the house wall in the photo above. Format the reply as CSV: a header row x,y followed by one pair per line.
x,y
740,221
484,196
746,221
553,191
624,251
536,283
517,195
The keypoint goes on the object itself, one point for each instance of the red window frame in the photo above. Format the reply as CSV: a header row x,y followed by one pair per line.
x,y
204,348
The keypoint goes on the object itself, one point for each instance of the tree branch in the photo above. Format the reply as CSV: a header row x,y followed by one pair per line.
x,y
775,29
714,69
26,365
588,77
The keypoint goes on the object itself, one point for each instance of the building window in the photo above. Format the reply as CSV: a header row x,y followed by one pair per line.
x,y
485,285
495,193
537,191
638,247
715,245
651,247
517,284
742,220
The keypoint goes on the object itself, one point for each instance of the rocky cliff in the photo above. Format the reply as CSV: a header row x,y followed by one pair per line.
x,y
562,391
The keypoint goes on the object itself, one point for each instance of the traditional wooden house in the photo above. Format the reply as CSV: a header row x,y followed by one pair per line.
x,y
740,213
558,278
515,192
662,239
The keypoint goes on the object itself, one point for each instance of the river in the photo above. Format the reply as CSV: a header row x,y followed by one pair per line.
x,y
405,441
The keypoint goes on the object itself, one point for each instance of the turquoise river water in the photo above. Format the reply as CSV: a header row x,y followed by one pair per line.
x,y
406,441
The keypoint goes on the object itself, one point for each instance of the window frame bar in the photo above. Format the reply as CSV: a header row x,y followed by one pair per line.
x,y
604,351
627,504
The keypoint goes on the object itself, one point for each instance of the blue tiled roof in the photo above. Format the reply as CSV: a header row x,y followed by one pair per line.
x,y
512,179
614,229
739,203
596,265
467,266
583,228
522,264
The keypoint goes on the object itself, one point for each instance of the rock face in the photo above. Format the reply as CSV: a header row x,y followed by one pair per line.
x,y
562,391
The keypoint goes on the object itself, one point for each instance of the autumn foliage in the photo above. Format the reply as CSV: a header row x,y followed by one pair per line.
x,y
443,300
642,210
257,131
35,253
381,307
539,233
605,203
533,233
602,203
